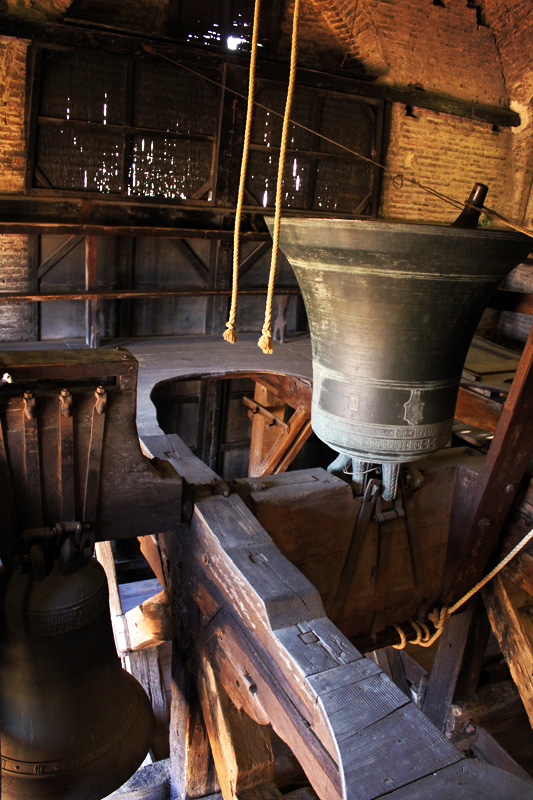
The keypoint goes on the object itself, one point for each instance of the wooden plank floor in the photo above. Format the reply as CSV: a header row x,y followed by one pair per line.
x,y
169,357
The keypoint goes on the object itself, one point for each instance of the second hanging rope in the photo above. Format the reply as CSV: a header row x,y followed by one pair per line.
x,y
265,341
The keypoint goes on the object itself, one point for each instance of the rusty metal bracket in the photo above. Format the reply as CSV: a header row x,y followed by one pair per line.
x,y
32,462
370,498
407,489
9,520
94,462
386,515
66,457
257,408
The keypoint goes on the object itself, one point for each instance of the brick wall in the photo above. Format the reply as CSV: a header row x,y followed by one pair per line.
x,y
39,9
444,50
12,93
15,318
512,23
449,154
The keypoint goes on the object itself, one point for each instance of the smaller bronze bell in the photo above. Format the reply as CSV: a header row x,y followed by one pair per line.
x,y
74,724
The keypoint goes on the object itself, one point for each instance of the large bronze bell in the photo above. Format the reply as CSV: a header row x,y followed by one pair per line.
x,y
392,309
74,724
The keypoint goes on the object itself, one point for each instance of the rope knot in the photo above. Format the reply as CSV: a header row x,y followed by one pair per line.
x,y
230,334
397,181
265,342
438,617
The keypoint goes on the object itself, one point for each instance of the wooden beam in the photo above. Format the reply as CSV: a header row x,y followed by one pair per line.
x,y
253,257
485,747
131,294
144,666
241,748
494,704
57,255
463,641
191,762
287,444
90,37
264,433
381,744
295,392
520,571
390,661
510,612
477,410
92,307
198,265
149,623
477,520
518,302
126,262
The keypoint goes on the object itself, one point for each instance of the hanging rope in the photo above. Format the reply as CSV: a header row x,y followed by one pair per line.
x,y
265,342
230,334
439,617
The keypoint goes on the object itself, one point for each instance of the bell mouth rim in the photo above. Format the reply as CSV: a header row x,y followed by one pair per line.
x,y
394,226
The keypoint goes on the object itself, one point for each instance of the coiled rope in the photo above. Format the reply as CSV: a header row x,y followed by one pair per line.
x,y
265,341
439,617
230,334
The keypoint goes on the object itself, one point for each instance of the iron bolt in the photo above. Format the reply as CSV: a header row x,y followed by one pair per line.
x,y
509,488
484,522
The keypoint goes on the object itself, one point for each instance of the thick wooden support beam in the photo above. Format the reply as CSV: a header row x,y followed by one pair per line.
x,y
492,704
477,410
192,769
518,302
148,624
264,431
263,632
287,444
479,513
152,552
520,571
241,748
94,295
92,307
458,662
282,661
310,515
144,665
510,613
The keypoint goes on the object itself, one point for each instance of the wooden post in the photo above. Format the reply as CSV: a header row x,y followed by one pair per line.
x,y
126,255
264,434
92,307
478,517
458,661
241,748
510,613
192,771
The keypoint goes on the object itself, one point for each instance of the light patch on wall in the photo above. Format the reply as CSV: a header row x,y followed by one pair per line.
x,y
523,110
234,41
